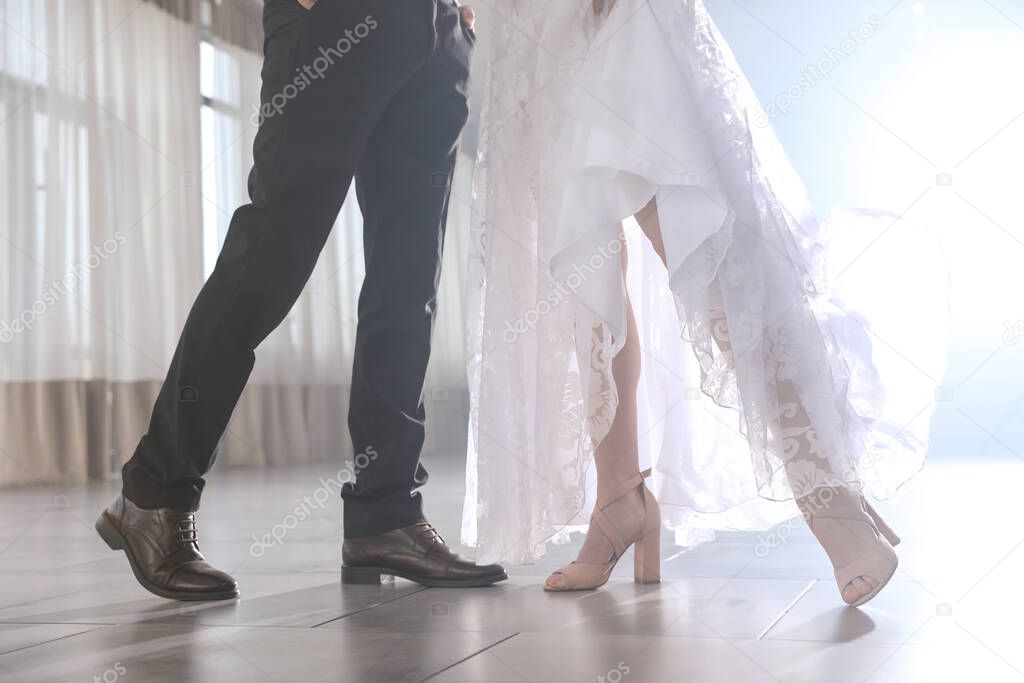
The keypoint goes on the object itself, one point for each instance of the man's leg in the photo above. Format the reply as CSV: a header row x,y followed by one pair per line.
x,y
403,184
306,153
328,76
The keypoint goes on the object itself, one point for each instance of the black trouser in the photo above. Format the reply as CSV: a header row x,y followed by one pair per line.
x,y
375,89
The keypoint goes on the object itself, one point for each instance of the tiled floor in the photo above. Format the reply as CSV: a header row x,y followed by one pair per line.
x,y
69,609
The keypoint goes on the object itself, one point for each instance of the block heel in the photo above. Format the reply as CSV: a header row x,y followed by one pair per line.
x,y
647,558
361,575
109,533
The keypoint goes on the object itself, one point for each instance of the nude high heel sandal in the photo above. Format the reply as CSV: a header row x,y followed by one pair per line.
x,y
856,539
580,576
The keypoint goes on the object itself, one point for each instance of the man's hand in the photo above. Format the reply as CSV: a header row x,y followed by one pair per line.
x,y
308,4
468,15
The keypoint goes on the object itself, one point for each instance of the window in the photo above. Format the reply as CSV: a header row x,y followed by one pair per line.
x,y
229,80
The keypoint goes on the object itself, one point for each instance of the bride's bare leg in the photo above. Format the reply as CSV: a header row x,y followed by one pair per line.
x,y
647,217
617,457
624,504
847,529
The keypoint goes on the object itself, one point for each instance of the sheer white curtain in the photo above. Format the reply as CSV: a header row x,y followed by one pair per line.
x,y
125,155
99,257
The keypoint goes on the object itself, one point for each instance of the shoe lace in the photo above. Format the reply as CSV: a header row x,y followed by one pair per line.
x,y
185,529
430,533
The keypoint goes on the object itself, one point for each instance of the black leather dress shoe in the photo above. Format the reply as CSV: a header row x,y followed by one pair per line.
x,y
163,550
417,553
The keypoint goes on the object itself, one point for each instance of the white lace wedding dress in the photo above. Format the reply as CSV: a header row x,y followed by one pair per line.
x,y
833,352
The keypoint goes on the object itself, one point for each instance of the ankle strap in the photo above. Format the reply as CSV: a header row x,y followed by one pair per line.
x,y
624,487
609,531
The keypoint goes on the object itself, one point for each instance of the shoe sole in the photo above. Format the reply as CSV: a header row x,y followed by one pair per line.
x,y
110,534
581,589
652,582
371,576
